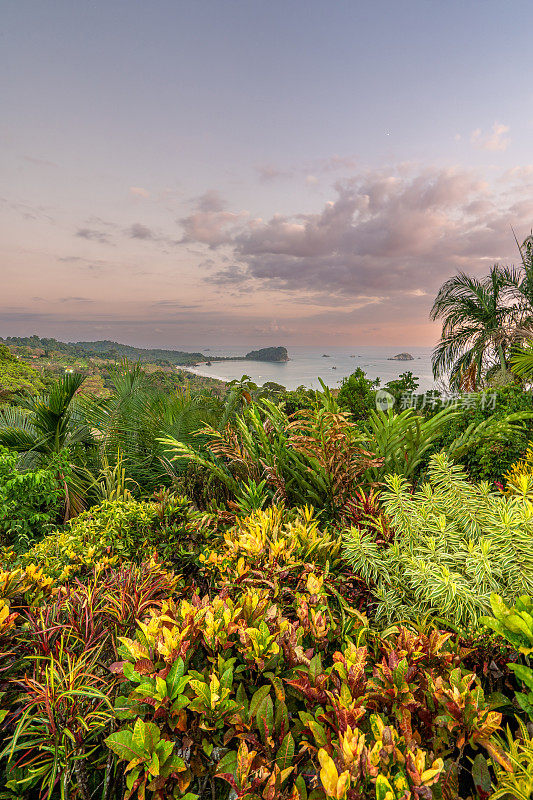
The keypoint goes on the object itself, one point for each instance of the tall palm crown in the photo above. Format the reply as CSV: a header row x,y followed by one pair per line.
x,y
478,322
522,285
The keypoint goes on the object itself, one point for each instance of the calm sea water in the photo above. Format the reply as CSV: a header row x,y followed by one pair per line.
x,y
307,364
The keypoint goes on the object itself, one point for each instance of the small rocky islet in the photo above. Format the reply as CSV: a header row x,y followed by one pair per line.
x,y
402,357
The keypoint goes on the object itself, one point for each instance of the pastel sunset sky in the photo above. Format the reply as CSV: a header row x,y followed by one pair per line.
x,y
181,173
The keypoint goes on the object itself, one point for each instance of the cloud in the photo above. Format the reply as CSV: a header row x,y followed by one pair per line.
x,y
40,162
174,304
138,191
337,163
93,235
230,276
28,211
268,172
210,223
493,141
93,265
138,231
389,235
307,170
76,300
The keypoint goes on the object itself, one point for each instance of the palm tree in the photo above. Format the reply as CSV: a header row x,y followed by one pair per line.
x,y
42,427
478,326
521,288
522,362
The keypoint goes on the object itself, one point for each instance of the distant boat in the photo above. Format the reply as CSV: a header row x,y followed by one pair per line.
x,y
334,368
208,363
325,355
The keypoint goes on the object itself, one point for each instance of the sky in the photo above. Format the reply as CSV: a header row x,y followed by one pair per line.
x,y
183,173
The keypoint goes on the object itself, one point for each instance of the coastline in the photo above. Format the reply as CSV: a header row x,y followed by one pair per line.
x,y
202,374
307,365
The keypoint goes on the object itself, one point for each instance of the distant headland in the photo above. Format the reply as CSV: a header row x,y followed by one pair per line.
x,y
273,355
115,351
268,354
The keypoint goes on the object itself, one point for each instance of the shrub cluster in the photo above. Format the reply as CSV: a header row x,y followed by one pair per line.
x,y
258,674
338,612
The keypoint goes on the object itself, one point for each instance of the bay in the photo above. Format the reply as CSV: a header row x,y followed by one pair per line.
x,y
308,364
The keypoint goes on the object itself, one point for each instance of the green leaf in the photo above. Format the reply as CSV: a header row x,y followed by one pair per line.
x,y
525,674
399,673
153,767
122,744
285,753
315,668
299,783
281,716
257,699
174,679
124,708
202,690
226,680
241,698
181,702
228,763
481,775
383,788
318,732
146,735
265,717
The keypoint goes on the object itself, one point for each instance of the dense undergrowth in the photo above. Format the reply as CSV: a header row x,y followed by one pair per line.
x,y
263,597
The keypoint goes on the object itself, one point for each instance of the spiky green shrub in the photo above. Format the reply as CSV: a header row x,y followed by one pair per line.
x,y
455,543
516,782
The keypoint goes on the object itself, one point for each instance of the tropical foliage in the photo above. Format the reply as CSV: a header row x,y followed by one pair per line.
x,y
483,319
132,681
16,377
455,542
41,427
30,501
312,456
265,595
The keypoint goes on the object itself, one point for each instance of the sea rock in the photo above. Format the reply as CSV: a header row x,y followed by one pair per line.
x,y
402,357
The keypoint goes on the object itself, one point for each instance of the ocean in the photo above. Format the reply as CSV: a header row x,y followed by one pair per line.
x,y
307,364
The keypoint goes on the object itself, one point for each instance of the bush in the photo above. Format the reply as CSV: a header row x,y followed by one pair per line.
x,y
454,543
116,532
311,457
30,501
358,394
271,685
490,460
